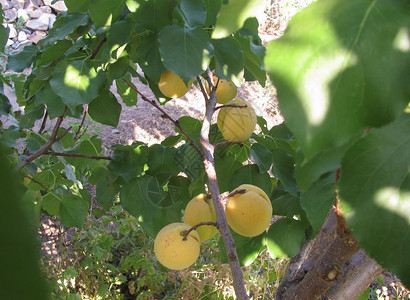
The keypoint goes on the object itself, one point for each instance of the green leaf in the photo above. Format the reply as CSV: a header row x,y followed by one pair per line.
x,y
64,25
105,109
54,103
128,161
76,82
77,6
127,94
154,15
51,203
247,248
374,190
21,275
262,157
9,136
149,58
194,12
144,198
327,98
283,169
162,160
250,30
105,12
32,115
285,204
281,132
212,9
73,211
253,60
233,15
229,59
318,200
90,146
225,168
185,51
107,189
250,174
22,60
285,238
53,52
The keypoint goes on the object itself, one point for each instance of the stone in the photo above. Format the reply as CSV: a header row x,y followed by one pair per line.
x,y
22,14
46,9
12,31
37,36
41,23
59,6
51,21
17,3
5,5
22,36
35,14
10,15
32,4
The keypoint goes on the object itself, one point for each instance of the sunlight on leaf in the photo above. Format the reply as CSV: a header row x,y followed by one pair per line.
x,y
75,79
402,40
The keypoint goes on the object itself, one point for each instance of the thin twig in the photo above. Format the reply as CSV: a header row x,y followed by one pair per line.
x,y
168,116
77,134
230,105
35,181
43,123
77,155
241,191
96,50
185,233
209,162
47,145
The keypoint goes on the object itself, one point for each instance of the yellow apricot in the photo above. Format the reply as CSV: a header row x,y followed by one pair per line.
x,y
237,123
249,213
225,91
172,251
201,209
171,85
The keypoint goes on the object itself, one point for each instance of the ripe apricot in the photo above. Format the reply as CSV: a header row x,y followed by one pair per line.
x,y
201,209
225,91
237,123
172,250
171,85
249,213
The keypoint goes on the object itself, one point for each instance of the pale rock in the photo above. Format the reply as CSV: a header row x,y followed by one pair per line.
x,y
35,14
32,4
10,15
115,131
17,3
59,6
48,2
12,31
22,36
9,43
22,14
51,21
46,9
41,23
5,5
37,36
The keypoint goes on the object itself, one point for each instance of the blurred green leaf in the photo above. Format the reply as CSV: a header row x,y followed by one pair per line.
x,y
22,60
374,190
105,12
233,15
262,156
154,15
229,59
194,11
284,169
250,174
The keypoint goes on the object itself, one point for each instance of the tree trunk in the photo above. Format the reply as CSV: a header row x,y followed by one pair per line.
x,y
330,267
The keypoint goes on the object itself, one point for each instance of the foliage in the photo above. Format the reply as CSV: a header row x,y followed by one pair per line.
x,y
341,72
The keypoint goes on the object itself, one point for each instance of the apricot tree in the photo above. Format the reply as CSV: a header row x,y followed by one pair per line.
x,y
336,171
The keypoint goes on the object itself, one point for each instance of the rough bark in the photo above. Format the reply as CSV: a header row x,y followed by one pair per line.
x,y
330,267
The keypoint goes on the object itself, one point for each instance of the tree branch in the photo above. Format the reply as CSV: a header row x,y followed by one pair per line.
x,y
77,134
47,145
186,232
168,116
77,155
35,181
223,227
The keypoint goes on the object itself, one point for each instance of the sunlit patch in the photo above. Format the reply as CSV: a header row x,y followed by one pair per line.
x,y
402,40
74,78
394,200
316,83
